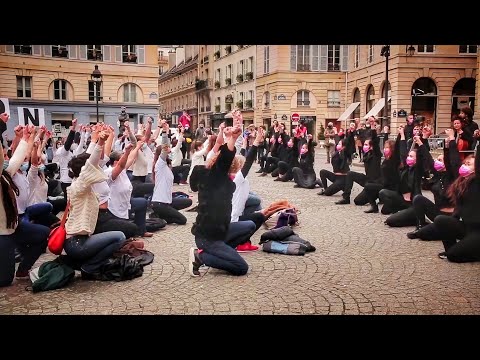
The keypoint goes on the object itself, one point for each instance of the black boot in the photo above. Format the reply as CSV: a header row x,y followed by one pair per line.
x,y
373,209
344,201
414,234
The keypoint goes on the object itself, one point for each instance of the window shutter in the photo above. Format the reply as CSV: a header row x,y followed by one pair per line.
x,y
106,53
36,50
72,51
344,57
323,57
82,52
118,53
315,57
9,48
293,57
47,50
141,54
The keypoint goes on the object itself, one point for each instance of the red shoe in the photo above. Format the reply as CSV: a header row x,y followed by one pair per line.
x,y
22,275
247,247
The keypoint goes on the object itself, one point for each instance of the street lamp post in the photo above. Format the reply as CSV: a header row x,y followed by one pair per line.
x,y
386,52
97,80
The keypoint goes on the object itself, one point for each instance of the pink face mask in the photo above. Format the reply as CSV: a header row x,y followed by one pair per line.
x,y
464,170
339,147
232,177
303,151
438,165
387,152
290,144
366,148
272,140
410,161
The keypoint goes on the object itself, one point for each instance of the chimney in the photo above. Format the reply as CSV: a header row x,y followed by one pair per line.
x,y
180,55
171,59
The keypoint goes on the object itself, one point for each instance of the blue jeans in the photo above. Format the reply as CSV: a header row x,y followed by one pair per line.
x,y
139,207
30,239
222,254
95,250
253,203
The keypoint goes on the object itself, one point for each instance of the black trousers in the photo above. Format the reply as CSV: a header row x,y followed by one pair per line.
x,y
451,229
260,152
180,173
257,217
285,171
108,222
140,179
338,182
306,181
361,179
271,164
392,201
170,213
142,189
64,189
372,190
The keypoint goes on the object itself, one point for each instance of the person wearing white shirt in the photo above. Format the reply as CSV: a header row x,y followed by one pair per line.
x,y
199,150
180,171
164,205
140,170
64,155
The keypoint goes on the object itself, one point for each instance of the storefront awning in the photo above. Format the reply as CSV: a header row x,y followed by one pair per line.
x,y
351,108
376,108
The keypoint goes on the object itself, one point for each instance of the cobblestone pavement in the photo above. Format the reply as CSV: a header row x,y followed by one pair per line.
x,y
360,267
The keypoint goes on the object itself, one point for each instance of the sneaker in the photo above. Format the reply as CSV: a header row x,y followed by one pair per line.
x,y
442,255
322,192
277,179
247,247
22,275
342,202
194,262
372,210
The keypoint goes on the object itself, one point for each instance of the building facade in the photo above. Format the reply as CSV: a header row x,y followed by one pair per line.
x,y
177,85
163,52
432,81
233,82
57,79
204,83
303,80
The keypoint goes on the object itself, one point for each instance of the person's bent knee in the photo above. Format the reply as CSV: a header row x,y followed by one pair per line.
x,y
181,220
417,199
240,270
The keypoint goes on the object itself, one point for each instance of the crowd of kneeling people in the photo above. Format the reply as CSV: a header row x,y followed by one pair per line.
x,y
108,183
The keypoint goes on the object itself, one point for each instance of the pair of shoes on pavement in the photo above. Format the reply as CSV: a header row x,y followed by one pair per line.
x,y
246,247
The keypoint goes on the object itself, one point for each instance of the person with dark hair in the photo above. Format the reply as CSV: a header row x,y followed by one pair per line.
x,y
465,222
464,138
64,155
286,166
372,156
163,204
140,166
410,180
90,251
29,239
340,167
215,191
466,115
304,175
408,129
445,170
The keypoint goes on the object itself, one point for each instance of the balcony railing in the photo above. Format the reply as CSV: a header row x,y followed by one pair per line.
x,y
239,77
333,103
204,84
23,49
333,67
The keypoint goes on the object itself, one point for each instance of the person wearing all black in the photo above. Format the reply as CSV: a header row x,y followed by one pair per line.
x,y
464,224
389,176
285,167
408,130
215,191
304,175
466,115
340,166
282,141
410,182
371,159
271,161
445,170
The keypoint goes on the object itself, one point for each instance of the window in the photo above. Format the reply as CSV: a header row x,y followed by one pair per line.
x,y
160,70
465,49
356,98
59,51
303,98
300,55
333,57
129,54
370,53
267,100
94,52
91,91
370,101
266,59
426,48
24,87
130,93
60,90
333,98
357,57
250,97
23,49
